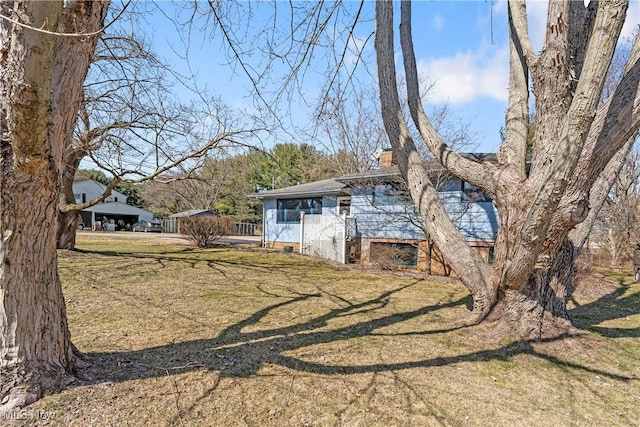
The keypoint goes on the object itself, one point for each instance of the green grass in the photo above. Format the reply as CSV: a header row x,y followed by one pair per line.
x,y
223,337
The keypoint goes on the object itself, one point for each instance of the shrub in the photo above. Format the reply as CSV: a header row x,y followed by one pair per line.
x,y
205,231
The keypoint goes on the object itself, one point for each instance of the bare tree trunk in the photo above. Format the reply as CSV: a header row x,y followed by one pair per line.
x,y
36,346
68,220
527,286
539,309
67,228
40,90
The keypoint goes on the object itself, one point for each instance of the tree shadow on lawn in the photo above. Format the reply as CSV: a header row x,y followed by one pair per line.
x,y
617,304
162,259
236,353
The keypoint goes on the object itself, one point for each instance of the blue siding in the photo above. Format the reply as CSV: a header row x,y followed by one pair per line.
x,y
396,219
274,232
390,218
477,221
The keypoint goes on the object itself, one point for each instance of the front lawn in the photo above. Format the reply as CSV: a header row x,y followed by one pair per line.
x,y
224,337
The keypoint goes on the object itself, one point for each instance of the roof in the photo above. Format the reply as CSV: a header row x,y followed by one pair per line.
x,y
192,212
116,208
340,185
317,188
371,174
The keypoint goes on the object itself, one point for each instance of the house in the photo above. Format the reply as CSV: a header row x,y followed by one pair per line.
x,y
172,223
369,218
114,208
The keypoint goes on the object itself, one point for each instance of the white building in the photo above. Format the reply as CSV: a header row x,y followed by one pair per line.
x,y
114,208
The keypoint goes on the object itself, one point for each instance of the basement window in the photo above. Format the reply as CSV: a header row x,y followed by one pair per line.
x,y
391,253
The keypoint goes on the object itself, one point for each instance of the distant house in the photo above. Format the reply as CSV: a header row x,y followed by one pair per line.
x,y
172,223
114,208
369,218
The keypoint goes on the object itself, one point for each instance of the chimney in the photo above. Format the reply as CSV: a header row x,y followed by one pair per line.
x,y
387,158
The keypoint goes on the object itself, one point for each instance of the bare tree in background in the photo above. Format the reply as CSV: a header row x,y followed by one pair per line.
x,y
132,126
351,129
617,227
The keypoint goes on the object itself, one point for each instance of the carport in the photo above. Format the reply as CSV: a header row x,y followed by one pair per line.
x,y
119,213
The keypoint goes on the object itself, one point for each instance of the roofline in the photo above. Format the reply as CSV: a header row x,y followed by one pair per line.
x,y
355,177
266,195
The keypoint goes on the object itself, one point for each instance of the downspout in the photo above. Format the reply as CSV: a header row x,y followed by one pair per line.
x,y
264,224
344,238
301,231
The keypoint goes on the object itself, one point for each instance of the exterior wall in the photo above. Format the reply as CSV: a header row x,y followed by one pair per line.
x,y
389,217
385,217
277,233
281,245
289,234
477,221
93,189
438,266
324,236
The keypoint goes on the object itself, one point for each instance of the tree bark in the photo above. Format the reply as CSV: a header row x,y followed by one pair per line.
x,y
36,347
526,288
539,310
40,89
68,219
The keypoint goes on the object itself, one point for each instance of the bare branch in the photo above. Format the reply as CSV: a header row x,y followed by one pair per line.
x,y
520,31
480,174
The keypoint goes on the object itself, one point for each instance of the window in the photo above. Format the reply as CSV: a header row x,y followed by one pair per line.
x,y
474,194
289,209
344,205
405,254
390,194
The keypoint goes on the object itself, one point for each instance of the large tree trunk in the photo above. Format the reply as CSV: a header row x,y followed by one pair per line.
x,y
36,348
67,228
539,309
41,77
526,288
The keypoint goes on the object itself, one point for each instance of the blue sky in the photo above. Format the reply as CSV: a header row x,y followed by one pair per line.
x,y
461,47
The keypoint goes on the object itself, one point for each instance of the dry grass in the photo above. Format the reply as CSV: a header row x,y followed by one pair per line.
x,y
222,337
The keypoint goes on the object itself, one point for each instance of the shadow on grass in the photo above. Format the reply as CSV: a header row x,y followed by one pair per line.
x,y
163,258
618,304
239,353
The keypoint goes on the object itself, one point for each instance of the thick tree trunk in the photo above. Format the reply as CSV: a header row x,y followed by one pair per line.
x,y
539,309
41,77
527,286
36,349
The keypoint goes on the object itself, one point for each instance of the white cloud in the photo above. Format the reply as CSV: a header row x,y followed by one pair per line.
x,y
466,76
438,22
